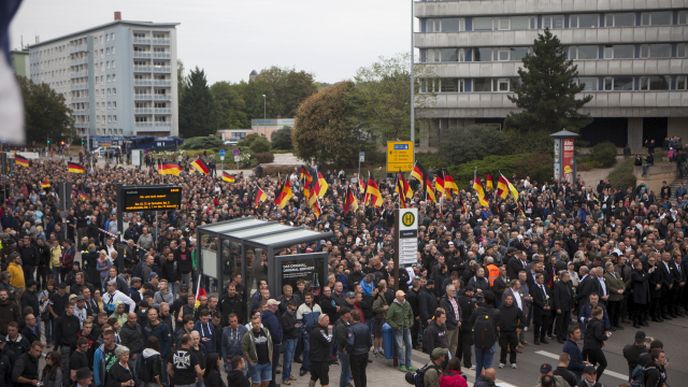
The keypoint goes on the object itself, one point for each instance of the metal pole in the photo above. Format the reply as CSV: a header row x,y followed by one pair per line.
x,y
412,82
265,110
359,165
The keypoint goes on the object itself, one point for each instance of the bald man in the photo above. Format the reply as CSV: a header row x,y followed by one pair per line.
x,y
487,378
400,318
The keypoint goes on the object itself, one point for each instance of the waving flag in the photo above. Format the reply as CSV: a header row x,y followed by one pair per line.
x,y
322,183
21,161
399,188
75,168
228,177
361,186
45,183
489,184
450,185
261,196
350,201
373,195
285,194
502,186
200,292
200,166
439,183
418,173
478,188
169,169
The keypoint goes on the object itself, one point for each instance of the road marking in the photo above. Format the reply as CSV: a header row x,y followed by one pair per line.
x,y
606,372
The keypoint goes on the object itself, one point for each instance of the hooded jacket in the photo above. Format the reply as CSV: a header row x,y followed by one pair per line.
x,y
400,315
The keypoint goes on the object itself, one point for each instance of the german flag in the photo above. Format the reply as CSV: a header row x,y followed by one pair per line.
x,y
408,192
489,184
200,166
228,177
350,201
502,187
261,196
439,183
169,169
478,188
83,196
310,182
45,183
75,168
21,161
512,189
373,195
322,184
418,173
285,194
399,188
450,185
316,208
429,190
361,186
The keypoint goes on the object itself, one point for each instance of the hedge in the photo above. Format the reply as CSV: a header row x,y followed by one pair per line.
x,y
202,142
622,175
536,165
264,157
604,154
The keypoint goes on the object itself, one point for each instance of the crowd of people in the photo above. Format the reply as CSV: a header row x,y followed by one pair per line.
x,y
567,262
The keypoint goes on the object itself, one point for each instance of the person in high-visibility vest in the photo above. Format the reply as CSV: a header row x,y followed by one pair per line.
x,y
492,270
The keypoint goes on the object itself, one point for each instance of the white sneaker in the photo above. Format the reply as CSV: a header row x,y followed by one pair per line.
x,y
513,365
501,365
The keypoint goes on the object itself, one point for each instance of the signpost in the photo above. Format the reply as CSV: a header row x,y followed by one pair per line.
x,y
361,158
399,156
237,156
406,239
222,154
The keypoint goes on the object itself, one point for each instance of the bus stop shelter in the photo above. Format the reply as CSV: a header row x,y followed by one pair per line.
x,y
258,250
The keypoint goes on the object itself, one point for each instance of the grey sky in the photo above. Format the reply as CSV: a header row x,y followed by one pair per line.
x,y
229,38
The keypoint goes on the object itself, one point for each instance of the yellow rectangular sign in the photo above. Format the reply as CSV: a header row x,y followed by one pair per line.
x,y
399,156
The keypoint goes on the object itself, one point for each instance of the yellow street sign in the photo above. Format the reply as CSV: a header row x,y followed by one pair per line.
x,y
399,156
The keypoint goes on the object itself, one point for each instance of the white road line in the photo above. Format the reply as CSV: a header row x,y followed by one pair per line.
x,y
606,372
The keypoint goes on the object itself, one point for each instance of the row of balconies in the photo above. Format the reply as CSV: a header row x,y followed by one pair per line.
x,y
596,67
566,36
523,7
151,54
153,41
152,110
153,97
154,69
153,82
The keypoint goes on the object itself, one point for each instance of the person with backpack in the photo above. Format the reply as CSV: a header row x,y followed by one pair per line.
x,y
484,322
150,366
452,376
400,318
429,374
655,375
632,352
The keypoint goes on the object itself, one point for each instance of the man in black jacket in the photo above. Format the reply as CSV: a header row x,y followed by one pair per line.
x,y
341,333
509,322
231,303
321,347
450,304
359,351
66,329
435,335
25,371
468,305
563,304
541,309
427,303
632,352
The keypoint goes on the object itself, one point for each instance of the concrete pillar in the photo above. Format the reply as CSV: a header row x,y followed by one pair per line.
x,y
634,134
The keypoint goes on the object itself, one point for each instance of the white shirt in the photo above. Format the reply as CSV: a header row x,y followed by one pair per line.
x,y
517,299
119,298
604,286
305,309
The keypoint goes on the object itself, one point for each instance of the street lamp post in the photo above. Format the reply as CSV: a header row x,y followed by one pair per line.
x,y
412,81
265,111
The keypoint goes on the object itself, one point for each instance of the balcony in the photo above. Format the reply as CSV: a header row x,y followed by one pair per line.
x,y
142,40
161,42
77,48
143,82
161,55
142,69
522,7
162,97
147,110
79,99
162,82
161,69
143,54
143,97
79,73
162,111
79,85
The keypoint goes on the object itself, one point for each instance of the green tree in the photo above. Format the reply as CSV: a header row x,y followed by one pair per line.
x,y
547,90
230,108
196,108
284,90
181,80
327,130
472,143
256,142
46,115
281,139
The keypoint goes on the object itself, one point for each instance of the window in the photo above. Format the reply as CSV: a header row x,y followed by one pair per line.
x,y
553,21
452,85
583,52
482,24
682,82
429,85
453,24
482,54
626,19
661,18
589,83
683,17
429,55
584,20
654,83
433,25
449,55
503,84
619,51
682,50
504,54
482,84
618,83
504,24
523,23
655,50
518,53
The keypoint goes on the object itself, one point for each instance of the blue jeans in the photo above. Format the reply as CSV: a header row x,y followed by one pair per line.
x,y
345,376
261,373
483,359
289,350
402,337
306,356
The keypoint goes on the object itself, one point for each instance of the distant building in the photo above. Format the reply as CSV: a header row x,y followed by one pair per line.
x,y
20,62
252,76
267,127
632,57
118,78
234,135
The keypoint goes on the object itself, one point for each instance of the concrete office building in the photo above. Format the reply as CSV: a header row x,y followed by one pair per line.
x,y
20,62
632,57
119,79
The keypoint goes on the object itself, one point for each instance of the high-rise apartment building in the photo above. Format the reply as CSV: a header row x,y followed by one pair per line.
x,y
632,57
119,79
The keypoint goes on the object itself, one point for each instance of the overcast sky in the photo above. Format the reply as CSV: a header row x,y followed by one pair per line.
x,y
229,38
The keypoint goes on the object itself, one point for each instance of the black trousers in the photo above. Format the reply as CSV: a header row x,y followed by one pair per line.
x,y
541,321
562,324
464,349
508,342
614,310
595,357
358,369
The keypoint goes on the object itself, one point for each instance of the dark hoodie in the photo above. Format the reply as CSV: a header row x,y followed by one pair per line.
x,y
236,378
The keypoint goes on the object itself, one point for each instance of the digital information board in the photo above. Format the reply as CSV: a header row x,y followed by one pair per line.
x,y
150,198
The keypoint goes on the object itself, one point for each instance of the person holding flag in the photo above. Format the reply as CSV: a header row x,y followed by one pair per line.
x,y
261,197
478,188
350,201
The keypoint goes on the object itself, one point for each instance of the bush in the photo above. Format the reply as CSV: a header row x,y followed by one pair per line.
x,y
431,160
536,165
264,157
202,142
273,170
256,142
622,175
281,139
472,143
604,154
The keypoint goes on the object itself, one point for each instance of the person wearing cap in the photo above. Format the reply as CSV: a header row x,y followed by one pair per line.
x,y
632,352
400,318
589,378
547,370
433,370
341,334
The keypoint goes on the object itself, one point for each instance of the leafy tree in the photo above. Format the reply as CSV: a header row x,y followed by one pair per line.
x,y
181,81
281,139
45,112
547,90
256,142
196,113
202,142
284,90
230,108
472,143
327,130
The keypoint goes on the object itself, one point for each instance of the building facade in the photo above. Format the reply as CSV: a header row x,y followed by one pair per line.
x,y
20,63
268,126
632,57
119,79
